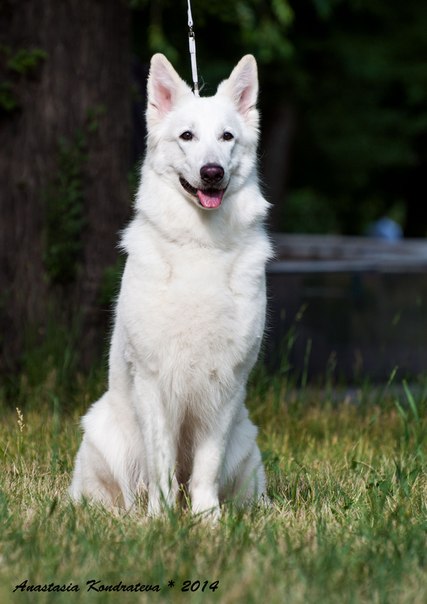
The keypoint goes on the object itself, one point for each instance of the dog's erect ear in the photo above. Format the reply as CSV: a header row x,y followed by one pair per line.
x,y
164,88
242,85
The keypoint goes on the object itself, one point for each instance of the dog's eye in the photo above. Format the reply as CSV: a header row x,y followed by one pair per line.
x,y
186,136
227,136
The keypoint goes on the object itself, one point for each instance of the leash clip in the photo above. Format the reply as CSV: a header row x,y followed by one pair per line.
x,y
192,49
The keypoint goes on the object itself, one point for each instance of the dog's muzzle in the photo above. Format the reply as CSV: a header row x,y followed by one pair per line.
x,y
210,197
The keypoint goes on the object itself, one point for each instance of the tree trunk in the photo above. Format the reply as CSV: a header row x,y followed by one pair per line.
x,y
81,86
277,141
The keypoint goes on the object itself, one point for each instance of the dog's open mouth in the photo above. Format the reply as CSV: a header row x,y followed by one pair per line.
x,y
209,199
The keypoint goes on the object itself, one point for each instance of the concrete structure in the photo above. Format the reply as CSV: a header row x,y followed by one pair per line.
x,y
356,307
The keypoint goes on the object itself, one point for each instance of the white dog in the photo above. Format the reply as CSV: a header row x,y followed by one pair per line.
x,y
190,314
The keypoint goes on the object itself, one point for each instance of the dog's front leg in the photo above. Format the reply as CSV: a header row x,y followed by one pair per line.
x,y
159,445
204,483
208,462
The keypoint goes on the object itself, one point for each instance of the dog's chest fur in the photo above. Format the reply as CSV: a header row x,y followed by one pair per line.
x,y
194,316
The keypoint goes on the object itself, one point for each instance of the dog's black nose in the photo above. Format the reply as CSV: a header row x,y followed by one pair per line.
x,y
211,173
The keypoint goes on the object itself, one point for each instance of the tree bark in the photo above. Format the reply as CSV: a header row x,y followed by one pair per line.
x,y
279,129
86,69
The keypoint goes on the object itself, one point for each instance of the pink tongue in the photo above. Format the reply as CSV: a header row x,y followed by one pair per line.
x,y
210,199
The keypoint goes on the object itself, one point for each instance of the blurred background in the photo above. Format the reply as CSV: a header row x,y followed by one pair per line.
x,y
344,141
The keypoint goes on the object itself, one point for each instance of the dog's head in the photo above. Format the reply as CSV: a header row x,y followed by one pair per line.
x,y
205,146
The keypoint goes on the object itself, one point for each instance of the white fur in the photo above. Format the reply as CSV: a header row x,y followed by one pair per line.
x,y
190,314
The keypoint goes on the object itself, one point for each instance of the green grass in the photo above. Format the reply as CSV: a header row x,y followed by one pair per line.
x,y
348,521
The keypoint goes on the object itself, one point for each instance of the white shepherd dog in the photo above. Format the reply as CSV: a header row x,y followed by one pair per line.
x,y
190,314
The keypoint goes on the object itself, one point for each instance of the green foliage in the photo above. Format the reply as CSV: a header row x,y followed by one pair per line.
x,y
16,65
94,116
65,212
308,212
110,283
223,31
263,28
8,101
25,60
361,91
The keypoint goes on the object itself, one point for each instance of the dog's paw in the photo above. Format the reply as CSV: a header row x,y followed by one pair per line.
x,y
209,517
207,508
264,501
159,501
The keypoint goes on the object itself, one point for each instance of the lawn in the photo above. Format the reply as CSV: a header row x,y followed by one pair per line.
x,y
348,520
